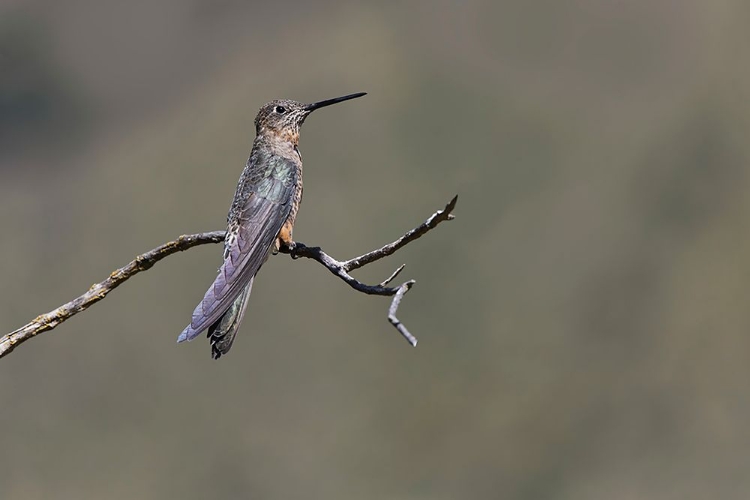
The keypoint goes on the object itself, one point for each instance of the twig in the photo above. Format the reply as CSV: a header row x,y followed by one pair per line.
x,y
417,232
97,292
393,276
392,312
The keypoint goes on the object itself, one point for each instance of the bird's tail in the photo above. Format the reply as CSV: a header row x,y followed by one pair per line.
x,y
222,333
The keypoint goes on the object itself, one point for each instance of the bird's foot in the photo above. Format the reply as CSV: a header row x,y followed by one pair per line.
x,y
292,247
282,246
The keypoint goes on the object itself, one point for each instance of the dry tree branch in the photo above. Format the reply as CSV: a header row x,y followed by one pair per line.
x,y
341,269
145,261
98,291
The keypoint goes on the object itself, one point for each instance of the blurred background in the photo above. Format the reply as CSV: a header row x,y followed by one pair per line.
x,y
584,323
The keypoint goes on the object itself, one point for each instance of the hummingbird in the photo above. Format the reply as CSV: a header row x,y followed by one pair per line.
x,y
260,219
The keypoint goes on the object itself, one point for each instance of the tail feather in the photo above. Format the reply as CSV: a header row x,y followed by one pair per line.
x,y
222,333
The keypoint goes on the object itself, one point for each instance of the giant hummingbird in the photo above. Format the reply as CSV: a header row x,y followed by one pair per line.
x,y
260,220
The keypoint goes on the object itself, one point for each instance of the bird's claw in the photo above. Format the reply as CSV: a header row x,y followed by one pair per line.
x,y
292,247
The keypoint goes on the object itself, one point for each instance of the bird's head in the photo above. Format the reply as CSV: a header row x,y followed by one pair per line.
x,y
283,117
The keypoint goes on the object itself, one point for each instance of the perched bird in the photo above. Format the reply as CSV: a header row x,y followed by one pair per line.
x,y
260,220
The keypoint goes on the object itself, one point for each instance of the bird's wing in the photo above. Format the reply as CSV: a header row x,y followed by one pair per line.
x,y
268,197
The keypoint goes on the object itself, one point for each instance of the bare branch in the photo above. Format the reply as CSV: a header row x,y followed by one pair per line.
x,y
97,292
341,269
385,251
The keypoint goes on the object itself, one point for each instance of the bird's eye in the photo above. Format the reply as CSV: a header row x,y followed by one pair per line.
x,y
280,109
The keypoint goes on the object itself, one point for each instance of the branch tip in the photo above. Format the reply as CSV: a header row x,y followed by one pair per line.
x,y
393,276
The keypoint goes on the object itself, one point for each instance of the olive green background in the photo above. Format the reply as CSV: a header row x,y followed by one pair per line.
x,y
584,323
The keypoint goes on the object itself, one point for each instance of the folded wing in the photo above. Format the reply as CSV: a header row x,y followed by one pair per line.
x,y
262,206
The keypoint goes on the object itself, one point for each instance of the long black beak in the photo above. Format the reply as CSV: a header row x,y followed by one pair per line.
x,y
322,104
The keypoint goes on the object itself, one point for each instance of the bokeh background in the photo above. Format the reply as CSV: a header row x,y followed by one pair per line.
x,y
584,323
